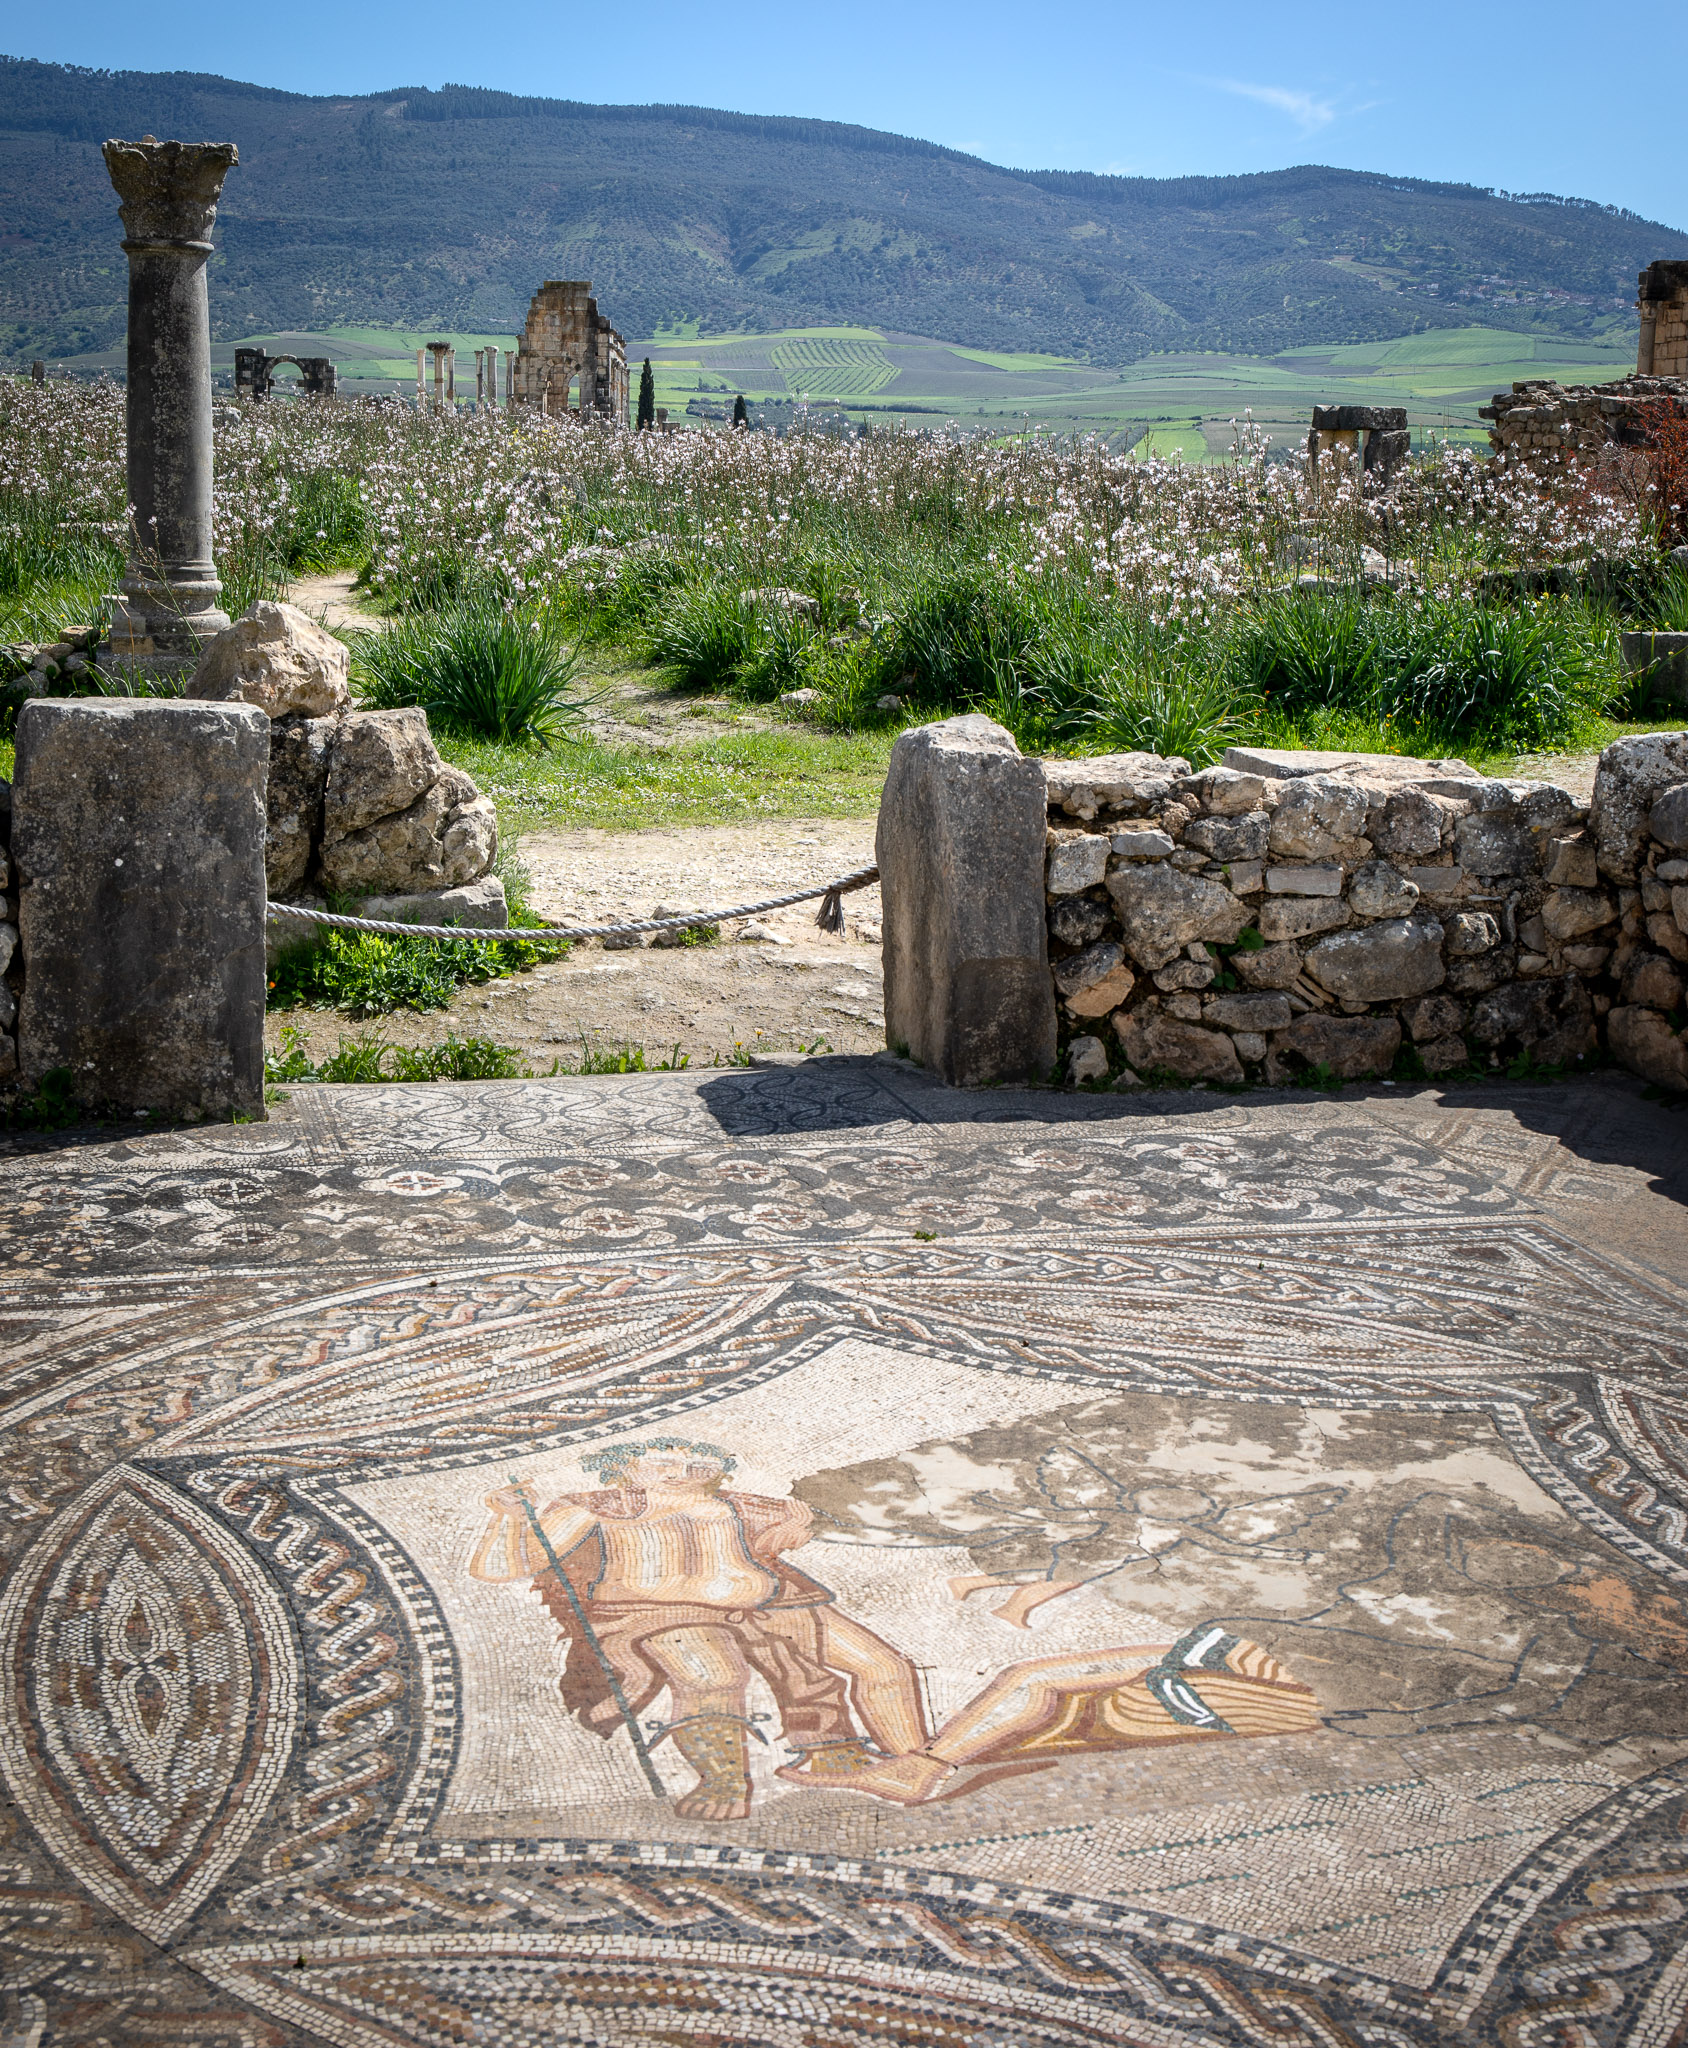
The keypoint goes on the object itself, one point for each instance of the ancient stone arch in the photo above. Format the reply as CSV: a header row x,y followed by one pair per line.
x,y
565,338
254,373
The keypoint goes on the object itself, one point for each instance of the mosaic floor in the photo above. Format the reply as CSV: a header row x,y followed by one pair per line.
x,y
797,1557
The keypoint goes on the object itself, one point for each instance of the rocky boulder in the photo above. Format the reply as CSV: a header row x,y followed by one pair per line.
x,y
383,761
1352,1048
1156,1043
1643,1041
448,836
1552,1020
1316,816
278,659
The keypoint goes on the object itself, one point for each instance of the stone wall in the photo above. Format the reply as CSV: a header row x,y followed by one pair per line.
x,y
566,337
1663,303
1285,912
11,957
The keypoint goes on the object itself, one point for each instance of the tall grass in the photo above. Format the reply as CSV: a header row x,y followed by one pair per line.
x,y
477,668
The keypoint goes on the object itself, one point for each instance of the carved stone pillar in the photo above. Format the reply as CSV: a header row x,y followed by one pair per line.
x,y
168,193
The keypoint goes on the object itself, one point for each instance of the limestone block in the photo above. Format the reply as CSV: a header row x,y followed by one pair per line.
x,y
1227,793
1381,962
1351,1047
1104,995
1300,917
1441,884
447,837
1147,845
1223,838
298,777
1442,1055
1265,1011
1668,818
1077,863
1410,826
380,762
1433,1017
138,836
1568,913
1304,881
1183,976
1569,863
1251,1046
480,906
1634,773
1118,781
1653,982
1271,967
1245,878
1316,814
1643,1041
1495,843
1471,932
1585,959
1083,970
1152,1040
1544,807
1087,1060
1551,1018
1668,935
277,658
1476,976
1679,905
1079,921
1162,911
1378,890
962,830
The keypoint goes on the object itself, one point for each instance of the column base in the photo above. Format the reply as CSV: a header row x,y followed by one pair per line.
x,y
163,632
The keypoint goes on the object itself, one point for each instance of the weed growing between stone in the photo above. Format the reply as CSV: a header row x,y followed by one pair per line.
x,y
371,1059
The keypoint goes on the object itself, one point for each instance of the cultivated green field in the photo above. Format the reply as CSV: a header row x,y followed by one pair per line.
x,y
1171,403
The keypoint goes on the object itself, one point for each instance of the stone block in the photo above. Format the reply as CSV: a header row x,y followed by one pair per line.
x,y
139,843
1433,1017
1162,911
293,801
1227,793
449,836
478,906
1080,971
1104,995
1242,838
1633,774
1470,932
278,658
1495,843
1569,913
1442,1055
1382,962
1301,881
1410,826
1079,921
1569,863
1317,813
961,842
1087,1060
1078,863
1185,976
1266,1010
381,762
1644,1042
1440,884
1146,845
1378,890
1300,917
1668,936
1485,971
1270,967
1353,1048
1113,781
1246,878
1667,821
1553,1020
1154,1041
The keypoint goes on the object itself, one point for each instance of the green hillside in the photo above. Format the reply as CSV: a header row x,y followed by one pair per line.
x,y
411,210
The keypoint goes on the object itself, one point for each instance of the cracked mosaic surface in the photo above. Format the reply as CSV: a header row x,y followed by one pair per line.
x,y
802,1558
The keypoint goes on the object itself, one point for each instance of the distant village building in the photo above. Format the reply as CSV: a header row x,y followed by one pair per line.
x,y
569,358
1538,420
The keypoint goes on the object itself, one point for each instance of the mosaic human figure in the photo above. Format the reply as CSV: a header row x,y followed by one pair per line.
x,y
685,1586
1208,1685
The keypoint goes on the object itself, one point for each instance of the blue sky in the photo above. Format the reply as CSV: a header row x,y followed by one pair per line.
x,y
1557,97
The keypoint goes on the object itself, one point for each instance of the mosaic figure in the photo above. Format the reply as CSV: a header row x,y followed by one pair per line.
x,y
674,1582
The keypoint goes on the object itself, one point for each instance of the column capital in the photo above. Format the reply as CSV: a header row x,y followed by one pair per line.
x,y
169,190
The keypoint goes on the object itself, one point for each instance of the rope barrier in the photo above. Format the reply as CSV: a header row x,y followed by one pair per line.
x,y
829,919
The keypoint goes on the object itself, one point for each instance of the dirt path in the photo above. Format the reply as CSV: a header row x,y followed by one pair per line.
x,y
776,984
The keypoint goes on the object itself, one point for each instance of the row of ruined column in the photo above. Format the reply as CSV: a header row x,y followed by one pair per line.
x,y
445,376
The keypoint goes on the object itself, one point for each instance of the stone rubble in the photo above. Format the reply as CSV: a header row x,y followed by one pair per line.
x,y
1284,912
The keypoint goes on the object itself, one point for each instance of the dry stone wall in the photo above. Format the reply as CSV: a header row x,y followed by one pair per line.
x,y
1282,912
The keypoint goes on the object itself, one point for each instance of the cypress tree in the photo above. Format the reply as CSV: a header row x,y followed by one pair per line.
x,y
740,417
647,397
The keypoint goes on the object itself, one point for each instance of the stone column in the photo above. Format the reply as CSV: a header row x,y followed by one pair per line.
x,y
451,377
421,379
168,193
509,380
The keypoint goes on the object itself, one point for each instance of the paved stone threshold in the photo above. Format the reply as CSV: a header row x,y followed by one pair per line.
x,y
1230,1558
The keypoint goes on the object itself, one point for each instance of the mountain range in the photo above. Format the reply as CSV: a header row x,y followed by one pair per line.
x,y
412,208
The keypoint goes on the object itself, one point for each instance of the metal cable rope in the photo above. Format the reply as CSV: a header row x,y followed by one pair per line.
x,y
831,918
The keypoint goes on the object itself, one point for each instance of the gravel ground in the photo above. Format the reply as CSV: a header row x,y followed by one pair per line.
x,y
773,984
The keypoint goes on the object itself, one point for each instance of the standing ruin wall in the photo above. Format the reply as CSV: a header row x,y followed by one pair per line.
x,y
566,338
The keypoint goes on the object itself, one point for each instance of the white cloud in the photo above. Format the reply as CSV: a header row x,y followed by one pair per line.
x,y
1302,108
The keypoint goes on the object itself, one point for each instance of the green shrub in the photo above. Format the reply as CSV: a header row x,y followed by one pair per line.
x,y
476,668
367,974
368,1060
702,636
